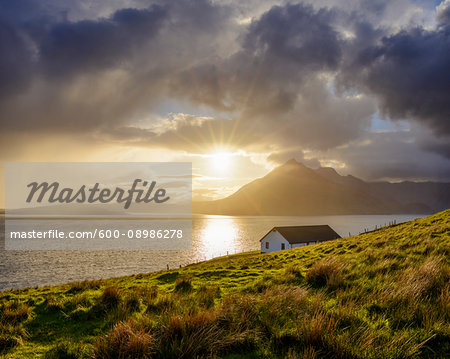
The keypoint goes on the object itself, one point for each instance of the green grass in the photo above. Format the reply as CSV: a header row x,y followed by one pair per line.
x,y
384,294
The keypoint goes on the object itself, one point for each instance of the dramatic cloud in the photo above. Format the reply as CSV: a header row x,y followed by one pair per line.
x,y
298,34
443,13
409,72
307,80
391,156
87,46
280,80
279,53
15,63
94,74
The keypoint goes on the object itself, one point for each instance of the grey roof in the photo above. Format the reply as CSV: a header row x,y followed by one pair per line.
x,y
305,234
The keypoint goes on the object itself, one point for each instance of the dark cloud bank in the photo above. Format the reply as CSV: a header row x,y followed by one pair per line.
x,y
295,77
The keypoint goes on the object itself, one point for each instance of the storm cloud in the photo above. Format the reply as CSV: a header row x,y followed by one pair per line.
x,y
275,78
87,46
409,72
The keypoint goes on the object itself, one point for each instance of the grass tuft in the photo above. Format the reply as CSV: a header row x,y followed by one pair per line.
x,y
326,272
110,298
183,284
125,340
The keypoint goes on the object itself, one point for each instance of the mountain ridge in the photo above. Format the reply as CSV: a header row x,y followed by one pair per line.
x,y
295,189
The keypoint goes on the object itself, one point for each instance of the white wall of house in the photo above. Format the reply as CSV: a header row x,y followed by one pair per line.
x,y
274,240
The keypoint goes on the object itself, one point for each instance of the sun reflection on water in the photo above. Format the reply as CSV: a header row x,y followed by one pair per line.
x,y
218,236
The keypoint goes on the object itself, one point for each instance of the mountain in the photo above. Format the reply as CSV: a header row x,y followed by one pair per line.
x,y
294,189
434,194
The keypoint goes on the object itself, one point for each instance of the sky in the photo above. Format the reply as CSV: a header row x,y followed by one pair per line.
x,y
235,87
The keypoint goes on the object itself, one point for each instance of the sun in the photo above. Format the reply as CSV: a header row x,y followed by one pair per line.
x,y
221,161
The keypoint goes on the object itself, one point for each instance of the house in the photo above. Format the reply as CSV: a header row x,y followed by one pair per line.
x,y
280,238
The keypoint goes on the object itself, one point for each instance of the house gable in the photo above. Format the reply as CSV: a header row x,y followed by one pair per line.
x,y
273,241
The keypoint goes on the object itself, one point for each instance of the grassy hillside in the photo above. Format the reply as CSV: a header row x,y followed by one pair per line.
x,y
384,294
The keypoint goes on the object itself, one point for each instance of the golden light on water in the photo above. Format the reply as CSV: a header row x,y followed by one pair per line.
x,y
218,236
